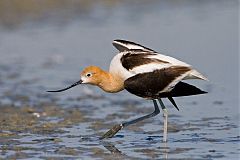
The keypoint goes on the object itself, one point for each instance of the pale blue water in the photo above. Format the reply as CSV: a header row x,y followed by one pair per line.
x,y
203,33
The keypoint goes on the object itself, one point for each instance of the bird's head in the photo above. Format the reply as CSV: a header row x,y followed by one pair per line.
x,y
90,75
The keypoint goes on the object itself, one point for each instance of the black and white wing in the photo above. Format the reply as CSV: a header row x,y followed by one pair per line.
x,y
138,59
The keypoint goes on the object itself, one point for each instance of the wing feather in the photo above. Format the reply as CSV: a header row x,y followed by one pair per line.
x,y
151,84
137,59
123,45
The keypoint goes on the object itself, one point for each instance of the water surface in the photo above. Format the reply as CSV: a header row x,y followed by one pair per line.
x,y
48,52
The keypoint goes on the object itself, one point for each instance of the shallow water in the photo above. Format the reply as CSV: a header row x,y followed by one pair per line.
x,y
48,54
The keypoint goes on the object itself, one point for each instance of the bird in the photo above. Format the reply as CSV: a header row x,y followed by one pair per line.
x,y
145,73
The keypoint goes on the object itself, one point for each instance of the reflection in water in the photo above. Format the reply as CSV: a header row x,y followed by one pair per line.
x,y
165,150
111,147
115,151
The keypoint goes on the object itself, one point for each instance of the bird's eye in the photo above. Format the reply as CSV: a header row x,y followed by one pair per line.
x,y
88,74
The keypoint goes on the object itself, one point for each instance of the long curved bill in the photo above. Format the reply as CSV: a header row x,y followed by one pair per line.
x,y
64,89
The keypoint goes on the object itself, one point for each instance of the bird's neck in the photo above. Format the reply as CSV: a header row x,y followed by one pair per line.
x,y
111,83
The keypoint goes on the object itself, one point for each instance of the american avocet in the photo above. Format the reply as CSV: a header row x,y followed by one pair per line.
x,y
145,73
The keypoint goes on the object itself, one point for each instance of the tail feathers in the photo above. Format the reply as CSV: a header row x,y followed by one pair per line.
x,y
173,102
182,89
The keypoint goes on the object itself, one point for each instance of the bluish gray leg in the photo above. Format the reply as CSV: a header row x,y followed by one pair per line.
x,y
118,127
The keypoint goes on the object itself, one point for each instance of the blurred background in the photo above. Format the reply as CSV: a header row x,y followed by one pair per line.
x,y
45,44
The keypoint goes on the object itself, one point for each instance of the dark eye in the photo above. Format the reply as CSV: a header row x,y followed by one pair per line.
x,y
88,74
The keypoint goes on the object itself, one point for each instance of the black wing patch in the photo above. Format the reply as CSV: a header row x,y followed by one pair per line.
x,y
148,85
131,60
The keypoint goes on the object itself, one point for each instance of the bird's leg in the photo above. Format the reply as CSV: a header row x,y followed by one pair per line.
x,y
118,127
165,115
154,113
110,133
